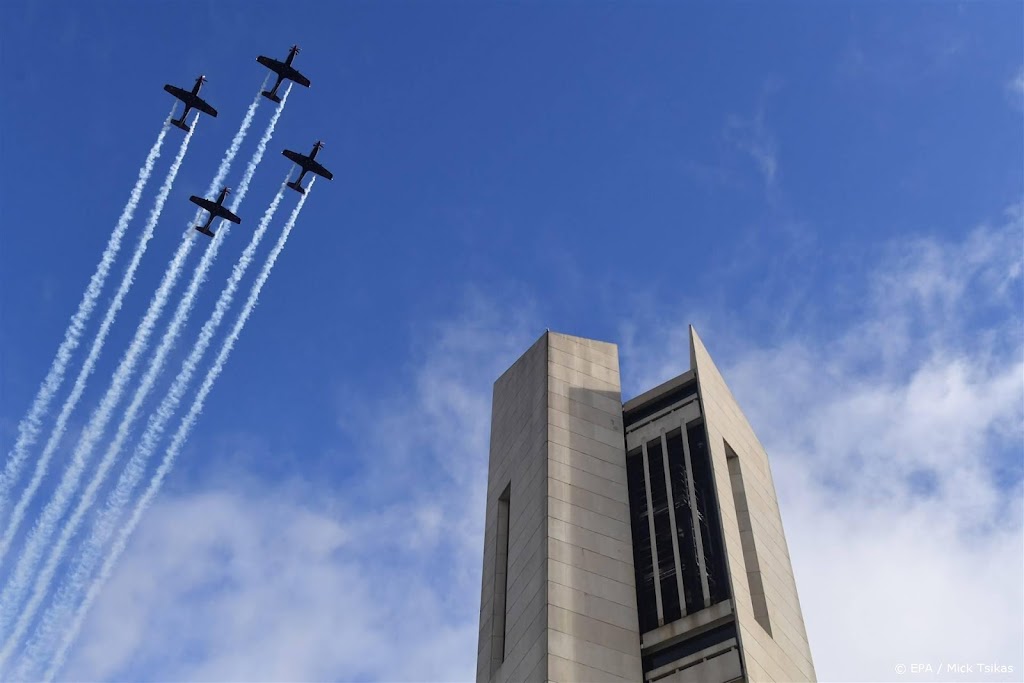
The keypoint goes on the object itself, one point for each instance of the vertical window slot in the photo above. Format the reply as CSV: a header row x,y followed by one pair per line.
x,y
498,635
689,566
643,562
663,533
707,509
750,561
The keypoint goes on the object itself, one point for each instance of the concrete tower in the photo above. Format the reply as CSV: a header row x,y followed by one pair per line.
x,y
631,542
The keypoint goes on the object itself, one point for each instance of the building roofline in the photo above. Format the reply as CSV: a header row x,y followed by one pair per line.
x,y
657,392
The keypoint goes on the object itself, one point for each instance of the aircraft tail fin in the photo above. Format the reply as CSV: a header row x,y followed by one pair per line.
x,y
205,231
271,96
180,123
298,188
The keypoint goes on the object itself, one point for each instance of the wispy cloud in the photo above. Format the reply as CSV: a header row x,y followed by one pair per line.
x,y
893,439
240,586
893,54
1015,88
745,139
895,445
751,136
310,582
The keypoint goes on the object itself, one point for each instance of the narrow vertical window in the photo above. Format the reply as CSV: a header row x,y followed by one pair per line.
x,y
707,508
498,634
643,562
690,568
663,533
750,561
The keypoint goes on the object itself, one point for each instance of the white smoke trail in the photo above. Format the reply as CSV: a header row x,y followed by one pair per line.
x,y
222,171
17,584
236,144
14,591
261,148
16,588
119,497
94,351
29,427
177,441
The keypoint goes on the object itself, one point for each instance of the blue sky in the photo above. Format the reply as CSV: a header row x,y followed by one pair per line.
x,y
832,194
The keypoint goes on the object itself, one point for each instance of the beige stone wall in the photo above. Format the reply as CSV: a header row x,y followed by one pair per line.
x,y
783,654
592,620
556,436
518,459
557,443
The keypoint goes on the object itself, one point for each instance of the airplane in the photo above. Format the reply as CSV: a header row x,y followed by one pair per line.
x,y
216,209
191,100
307,164
283,70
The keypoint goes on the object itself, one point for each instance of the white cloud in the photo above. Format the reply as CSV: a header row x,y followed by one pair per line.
x,y
1015,88
747,137
752,137
376,581
884,437
234,586
896,450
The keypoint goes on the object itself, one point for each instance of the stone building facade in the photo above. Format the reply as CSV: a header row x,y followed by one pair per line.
x,y
629,542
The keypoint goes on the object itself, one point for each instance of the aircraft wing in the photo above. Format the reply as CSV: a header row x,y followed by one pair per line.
x,y
283,70
301,159
215,209
272,64
294,75
190,100
204,203
308,164
319,170
181,94
202,106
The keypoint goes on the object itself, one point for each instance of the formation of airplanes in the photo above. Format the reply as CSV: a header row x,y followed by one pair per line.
x,y
191,99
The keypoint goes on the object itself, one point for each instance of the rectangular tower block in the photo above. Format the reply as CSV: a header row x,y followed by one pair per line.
x,y
636,542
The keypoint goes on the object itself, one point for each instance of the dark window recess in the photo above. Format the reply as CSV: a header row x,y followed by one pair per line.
x,y
710,529
500,604
663,533
690,569
643,563
659,404
685,648
739,496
